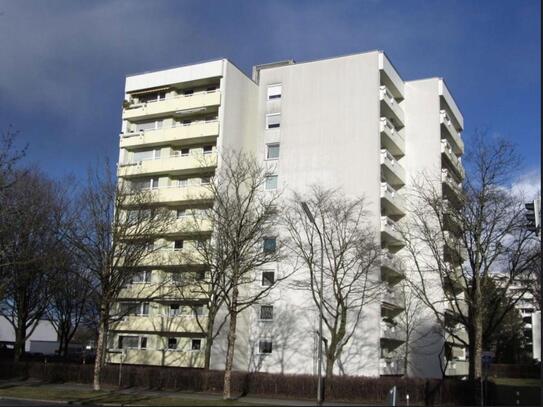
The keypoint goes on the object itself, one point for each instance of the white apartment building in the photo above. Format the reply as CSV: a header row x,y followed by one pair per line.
x,y
350,122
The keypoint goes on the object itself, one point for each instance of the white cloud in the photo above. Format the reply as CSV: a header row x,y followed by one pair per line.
x,y
528,185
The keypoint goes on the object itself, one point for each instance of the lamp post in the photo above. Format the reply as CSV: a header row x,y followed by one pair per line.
x,y
321,295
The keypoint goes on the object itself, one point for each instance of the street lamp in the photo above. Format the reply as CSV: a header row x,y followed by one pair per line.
x,y
321,295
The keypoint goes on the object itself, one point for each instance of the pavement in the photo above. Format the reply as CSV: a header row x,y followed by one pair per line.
x,y
249,400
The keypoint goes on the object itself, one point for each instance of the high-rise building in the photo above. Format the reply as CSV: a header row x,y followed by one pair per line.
x,y
349,122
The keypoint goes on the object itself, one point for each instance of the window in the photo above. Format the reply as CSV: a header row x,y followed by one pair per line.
x,y
265,346
128,342
198,310
266,312
268,278
148,125
205,180
144,183
273,120
172,343
196,344
188,92
272,151
186,122
153,183
274,92
144,310
143,155
181,182
143,276
180,213
177,244
271,182
270,244
181,152
143,342
174,310
208,149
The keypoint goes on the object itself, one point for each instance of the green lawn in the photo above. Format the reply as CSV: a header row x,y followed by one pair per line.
x,y
49,392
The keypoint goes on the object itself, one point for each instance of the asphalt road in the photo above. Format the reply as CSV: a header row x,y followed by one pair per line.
x,y
28,403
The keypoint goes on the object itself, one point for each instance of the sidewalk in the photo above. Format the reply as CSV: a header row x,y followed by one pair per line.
x,y
75,393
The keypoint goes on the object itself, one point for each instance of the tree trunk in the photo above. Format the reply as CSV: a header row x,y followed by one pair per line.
x,y
233,314
99,355
20,336
329,365
207,350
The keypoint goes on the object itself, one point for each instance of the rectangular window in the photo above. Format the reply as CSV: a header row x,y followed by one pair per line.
x,y
196,344
143,342
153,183
148,125
265,346
181,182
273,120
172,343
266,312
128,342
177,244
205,180
270,244
174,310
188,92
186,122
272,151
143,276
181,213
271,182
208,149
144,155
144,309
268,278
274,92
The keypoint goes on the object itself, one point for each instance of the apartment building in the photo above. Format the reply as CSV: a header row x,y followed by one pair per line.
x,y
348,122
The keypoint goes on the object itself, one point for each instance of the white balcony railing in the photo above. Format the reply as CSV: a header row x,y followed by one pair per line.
x,y
391,139
393,171
451,133
392,201
390,106
391,366
455,161
390,231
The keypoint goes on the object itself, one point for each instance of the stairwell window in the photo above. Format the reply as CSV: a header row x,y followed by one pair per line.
x,y
178,244
271,182
273,120
196,344
143,276
268,278
172,343
266,312
265,346
274,92
208,149
272,151
270,245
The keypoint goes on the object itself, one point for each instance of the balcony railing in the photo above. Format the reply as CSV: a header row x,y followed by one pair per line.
x,y
195,132
393,297
173,105
391,267
454,162
391,139
391,367
174,165
159,323
451,134
391,200
457,368
390,232
392,332
454,244
453,188
165,357
392,170
390,107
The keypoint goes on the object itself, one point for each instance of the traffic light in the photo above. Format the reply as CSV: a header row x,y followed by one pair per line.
x,y
533,215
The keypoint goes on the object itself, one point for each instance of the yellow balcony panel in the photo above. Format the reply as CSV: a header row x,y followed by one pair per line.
x,y
197,132
391,201
451,159
391,367
164,357
175,165
457,368
391,170
390,232
390,107
392,269
391,139
173,324
451,134
170,258
178,195
174,105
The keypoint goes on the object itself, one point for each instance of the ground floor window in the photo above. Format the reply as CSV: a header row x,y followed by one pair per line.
x,y
265,346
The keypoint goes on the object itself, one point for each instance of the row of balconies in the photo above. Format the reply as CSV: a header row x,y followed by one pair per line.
x,y
449,132
391,139
164,357
391,332
198,102
391,201
160,291
392,269
391,169
160,323
173,165
451,159
195,132
390,232
452,188
390,107
392,366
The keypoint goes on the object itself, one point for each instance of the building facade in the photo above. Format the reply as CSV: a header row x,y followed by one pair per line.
x,y
349,122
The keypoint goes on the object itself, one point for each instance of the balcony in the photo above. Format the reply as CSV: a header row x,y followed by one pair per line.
x,y
451,134
390,232
391,367
199,102
390,107
173,165
171,258
176,195
452,189
196,132
391,201
453,280
457,368
391,139
391,332
160,323
458,346
454,248
391,169
451,159
391,267
392,298
159,291
165,357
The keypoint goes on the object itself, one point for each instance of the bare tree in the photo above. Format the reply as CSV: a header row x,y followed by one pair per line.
x,y
113,236
31,218
454,246
9,156
351,260
243,221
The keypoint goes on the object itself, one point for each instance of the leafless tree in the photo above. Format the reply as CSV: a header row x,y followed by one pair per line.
x,y
351,261
32,219
242,219
113,236
454,246
9,156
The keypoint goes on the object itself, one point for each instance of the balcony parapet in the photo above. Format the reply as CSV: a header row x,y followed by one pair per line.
x,y
390,107
391,200
454,161
392,170
173,165
390,232
391,139
451,134
391,367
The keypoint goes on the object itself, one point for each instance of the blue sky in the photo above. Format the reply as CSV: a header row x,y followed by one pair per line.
x,y
63,63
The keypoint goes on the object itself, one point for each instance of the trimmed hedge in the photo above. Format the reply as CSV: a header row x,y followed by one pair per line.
x,y
339,388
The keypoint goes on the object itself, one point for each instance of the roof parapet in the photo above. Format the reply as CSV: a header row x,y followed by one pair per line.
x,y
258,68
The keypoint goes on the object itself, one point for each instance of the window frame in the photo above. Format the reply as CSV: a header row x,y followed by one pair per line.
x,y
259,348
274,96
262,278
270,177
260,313
269,238
273,126
270,145
192,340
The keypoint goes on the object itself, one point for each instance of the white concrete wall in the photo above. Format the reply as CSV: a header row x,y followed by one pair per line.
x,y
44,331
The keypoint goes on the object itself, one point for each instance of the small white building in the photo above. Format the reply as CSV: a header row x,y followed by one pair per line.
x,y
43,338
